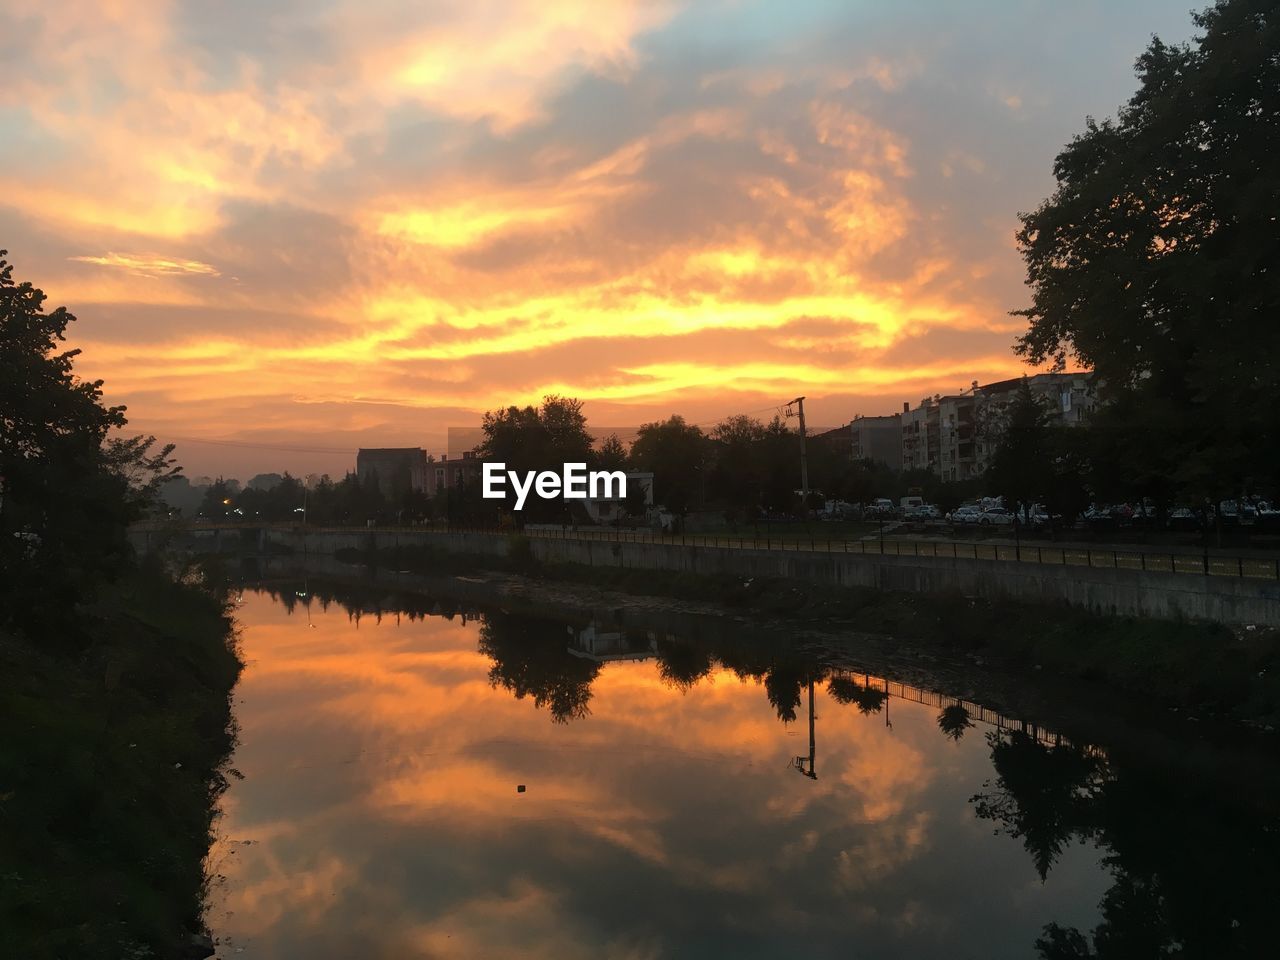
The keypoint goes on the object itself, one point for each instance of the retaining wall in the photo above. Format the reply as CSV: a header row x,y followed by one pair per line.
x,y
1233,600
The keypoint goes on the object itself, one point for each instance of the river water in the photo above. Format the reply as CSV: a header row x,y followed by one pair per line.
x,y
415,780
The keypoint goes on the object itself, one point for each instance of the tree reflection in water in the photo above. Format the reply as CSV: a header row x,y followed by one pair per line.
x,y
682,665
1041,794
1192,877
866,698
531,659
953,721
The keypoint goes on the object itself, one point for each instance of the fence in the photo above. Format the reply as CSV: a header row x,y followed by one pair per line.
x,y
1161,562
1072,556
1153,561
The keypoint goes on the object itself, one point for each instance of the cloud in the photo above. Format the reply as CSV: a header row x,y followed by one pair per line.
x,y
456,207
150,265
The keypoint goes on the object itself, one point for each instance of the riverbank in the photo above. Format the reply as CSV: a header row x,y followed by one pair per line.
x,y
1212,669
116,740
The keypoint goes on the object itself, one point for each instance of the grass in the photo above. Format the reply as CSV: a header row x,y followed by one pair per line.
x,y
110,773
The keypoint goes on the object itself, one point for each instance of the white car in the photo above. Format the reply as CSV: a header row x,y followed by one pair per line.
x,y
963,515
996,516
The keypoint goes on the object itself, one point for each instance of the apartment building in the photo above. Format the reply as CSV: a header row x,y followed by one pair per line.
x,y
397,470
1068,399
920,438
955,436
878,439
957,440
449,473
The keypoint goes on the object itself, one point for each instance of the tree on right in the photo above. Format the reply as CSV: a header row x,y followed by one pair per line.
x,y
1156,261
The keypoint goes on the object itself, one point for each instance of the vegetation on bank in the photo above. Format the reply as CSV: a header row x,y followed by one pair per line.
x,y
115,677
1213,668
107,789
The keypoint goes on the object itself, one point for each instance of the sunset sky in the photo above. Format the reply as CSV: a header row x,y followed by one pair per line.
x,y
312,225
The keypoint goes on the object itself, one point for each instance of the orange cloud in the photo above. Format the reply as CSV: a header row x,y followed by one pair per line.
x,y
317,214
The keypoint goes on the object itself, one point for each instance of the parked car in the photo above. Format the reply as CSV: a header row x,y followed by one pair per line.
x,y
996,516
1237,513
964,514
920,512
1183,518
881,507
1098,515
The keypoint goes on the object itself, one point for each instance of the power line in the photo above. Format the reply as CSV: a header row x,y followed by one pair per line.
x,y
776,408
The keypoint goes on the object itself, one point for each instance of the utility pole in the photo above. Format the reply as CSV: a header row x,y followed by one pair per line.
x,y
798,402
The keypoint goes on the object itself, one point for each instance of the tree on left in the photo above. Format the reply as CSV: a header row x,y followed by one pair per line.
x,y
69,483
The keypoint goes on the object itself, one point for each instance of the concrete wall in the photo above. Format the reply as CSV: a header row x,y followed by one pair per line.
x,y
1103,590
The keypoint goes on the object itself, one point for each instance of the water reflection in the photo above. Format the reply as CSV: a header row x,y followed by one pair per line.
x,y
383,744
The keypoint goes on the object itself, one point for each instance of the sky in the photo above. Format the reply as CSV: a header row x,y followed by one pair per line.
x,y
300,227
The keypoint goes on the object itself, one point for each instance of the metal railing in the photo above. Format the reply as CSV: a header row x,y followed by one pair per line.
x,y
1154,561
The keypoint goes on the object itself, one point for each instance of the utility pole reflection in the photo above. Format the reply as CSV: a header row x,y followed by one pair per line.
x,y
807,765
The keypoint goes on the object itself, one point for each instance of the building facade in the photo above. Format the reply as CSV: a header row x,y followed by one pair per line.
x,y
878,439
450,473
397,470
608,509
921,439
1068,399
955,436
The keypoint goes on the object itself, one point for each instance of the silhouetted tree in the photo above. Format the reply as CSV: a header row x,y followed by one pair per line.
x,y
612,455
780,471
1154,261
538,438
69,490
676,454
1023,464
736,474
